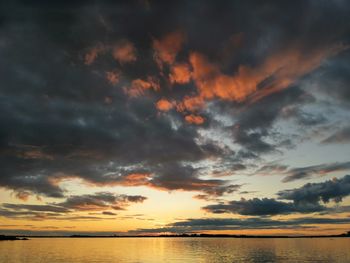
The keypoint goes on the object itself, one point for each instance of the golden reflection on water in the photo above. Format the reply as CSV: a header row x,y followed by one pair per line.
x,y
185,250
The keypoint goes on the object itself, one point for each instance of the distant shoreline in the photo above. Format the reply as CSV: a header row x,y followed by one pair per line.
x,y
25,237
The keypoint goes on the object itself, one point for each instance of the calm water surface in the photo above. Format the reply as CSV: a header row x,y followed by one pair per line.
x,y
175,250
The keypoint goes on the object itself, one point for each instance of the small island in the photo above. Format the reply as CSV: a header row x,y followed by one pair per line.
x,y
10,238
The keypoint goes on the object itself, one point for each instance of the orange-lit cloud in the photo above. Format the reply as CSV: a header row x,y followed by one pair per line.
x,y
138,87
190,104
113,77
133,179
276,73
136,179
168,182
93,53
58,178
180,73
289,66
99,201
22,195
124,51
167,48
194,119
211,83
36,154
164,105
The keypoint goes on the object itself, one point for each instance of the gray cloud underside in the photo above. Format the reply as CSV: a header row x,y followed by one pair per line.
x,y
335,189
65,210
262,207
306,199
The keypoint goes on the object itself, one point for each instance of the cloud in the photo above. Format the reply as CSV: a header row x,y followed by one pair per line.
x,y
62,119
194,119
335,189
212,83
108,213
44,215
303,118
138,87
310,171
254,125
22,195
190,104
167,47
180,74
66,210
93,53
203,224
269,169
261,207
113,77
100,201
164,105
124,51
332,80
36,208
276,73
166,177
297,173
93,141
178,177
305,199
340,136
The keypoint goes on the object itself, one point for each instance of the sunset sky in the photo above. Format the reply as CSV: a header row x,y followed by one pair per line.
x,y
148,117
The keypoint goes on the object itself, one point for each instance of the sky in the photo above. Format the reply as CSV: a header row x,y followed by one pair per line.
x,y
158,117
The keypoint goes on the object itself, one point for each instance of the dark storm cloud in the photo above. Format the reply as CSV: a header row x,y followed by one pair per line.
x,y
335,189
261,207
61,118
197,225
86,143
333,79
254,125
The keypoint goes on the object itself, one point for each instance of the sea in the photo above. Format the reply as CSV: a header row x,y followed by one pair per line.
x,y
167,249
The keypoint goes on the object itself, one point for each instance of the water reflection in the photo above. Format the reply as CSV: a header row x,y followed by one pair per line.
x,y
187,250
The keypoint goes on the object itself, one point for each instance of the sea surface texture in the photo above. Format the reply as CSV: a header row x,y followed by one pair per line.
x,y
185,250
